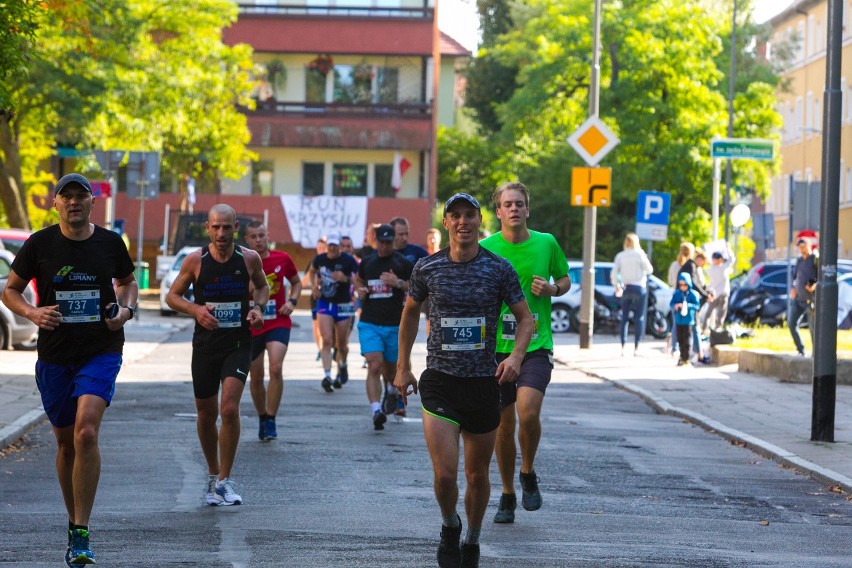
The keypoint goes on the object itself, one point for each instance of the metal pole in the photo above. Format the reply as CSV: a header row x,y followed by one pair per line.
x,y
790,246
825,338
729,171
139,236
590,215
717,180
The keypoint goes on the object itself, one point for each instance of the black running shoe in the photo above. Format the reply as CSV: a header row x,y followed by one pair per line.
x,y
379,420
506,510
531,497
337,382
469,555
449,553
326,384
389,403
343,375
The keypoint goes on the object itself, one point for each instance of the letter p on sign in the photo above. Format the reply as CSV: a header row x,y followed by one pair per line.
x,y
652,215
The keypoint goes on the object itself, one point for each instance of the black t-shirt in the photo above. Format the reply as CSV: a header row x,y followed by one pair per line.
x,y
383,305
225,286
77,276
331,290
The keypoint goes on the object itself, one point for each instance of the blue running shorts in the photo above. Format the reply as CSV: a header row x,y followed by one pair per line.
x,y
61,385
258,342
382,339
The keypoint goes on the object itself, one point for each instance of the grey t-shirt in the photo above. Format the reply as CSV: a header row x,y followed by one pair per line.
x,y
805,273
464,308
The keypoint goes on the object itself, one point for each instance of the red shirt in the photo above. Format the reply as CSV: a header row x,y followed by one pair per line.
x,y
277,267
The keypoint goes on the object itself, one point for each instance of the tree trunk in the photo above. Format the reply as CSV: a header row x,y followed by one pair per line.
x,y
12,192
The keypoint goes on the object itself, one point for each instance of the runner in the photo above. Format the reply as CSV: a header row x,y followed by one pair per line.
x,y
221,344
331,276
381,283
401,245
81,319
459,390
537,258
274,337
306,283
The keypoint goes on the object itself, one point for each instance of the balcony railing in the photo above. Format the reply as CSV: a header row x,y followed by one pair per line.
x,y
338,11
379,110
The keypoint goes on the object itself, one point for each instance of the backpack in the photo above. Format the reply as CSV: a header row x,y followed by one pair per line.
x,y
721,337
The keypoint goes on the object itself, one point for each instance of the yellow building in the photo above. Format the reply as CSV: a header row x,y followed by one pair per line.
x,y
804,25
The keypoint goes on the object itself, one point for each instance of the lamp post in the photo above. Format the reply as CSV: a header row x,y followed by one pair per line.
x,y
729,170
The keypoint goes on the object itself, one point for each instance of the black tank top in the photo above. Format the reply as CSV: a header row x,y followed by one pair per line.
x,y
225,286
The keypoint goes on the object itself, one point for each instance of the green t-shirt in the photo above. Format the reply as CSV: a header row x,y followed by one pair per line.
x,y
539,255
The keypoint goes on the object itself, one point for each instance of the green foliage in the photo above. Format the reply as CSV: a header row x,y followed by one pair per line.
x,y
18,24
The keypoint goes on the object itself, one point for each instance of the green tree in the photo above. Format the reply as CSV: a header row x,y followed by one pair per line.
x,y
139,75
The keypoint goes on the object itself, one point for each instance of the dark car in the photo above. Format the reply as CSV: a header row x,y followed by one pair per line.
x,y
761,296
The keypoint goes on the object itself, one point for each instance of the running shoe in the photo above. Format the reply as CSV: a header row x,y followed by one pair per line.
x,y
212,497
80,552
337,383
469,555
261,430
225,490
343,375
506,510
399,413
379,420
389,402
531,496
271,429
319,355
326,384
449,554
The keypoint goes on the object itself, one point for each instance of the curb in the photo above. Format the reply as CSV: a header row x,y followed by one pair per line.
x,y
14,431
662,406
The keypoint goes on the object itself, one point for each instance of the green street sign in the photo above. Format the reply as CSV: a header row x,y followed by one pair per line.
x,y
743,149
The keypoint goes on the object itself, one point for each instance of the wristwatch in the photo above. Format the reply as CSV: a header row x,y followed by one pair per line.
x,y
400,283
131,310
261,306
293,301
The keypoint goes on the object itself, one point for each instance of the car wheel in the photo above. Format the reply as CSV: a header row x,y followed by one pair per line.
x,y
658,326
560,318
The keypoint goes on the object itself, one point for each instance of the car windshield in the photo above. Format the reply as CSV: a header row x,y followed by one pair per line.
x,y
178,261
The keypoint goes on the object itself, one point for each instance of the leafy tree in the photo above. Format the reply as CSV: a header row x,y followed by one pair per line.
x,y
139,75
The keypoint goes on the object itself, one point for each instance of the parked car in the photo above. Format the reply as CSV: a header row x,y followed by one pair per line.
x,y
13,239
15,331
761,296
170,276
564,313
844,302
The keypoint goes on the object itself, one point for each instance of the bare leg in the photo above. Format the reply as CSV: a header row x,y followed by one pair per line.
x,y
87,461
277,351
374,371
442,441
229,433
208,435
326,326
478,449
505,449
256,386
342,329
529,429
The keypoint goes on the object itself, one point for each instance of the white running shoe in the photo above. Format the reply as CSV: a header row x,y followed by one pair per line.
x,y
225,491
212,497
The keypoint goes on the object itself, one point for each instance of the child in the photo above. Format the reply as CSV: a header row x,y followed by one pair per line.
x,y
685,305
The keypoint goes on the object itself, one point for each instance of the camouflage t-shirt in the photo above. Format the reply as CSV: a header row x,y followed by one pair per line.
x,y
464,308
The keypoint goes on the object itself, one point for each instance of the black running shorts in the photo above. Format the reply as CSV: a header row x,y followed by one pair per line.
x,y
210,369
536,370
471,403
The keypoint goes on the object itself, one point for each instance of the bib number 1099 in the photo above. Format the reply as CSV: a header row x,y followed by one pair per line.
x,y
228,313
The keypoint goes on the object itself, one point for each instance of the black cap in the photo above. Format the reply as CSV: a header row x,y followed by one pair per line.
x,y
459,197
801,242
385,233
718,255
69,179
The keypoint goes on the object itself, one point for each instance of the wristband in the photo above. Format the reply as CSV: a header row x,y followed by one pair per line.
x,y
558,290
261,306
292,300
400,284
131,310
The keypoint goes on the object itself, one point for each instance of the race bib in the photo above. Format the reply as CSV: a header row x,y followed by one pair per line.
x,y
378,289
346,310
510,325
229,314
79,306
271,312
462,334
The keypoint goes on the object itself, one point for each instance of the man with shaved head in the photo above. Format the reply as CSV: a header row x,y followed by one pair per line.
x,y
220,274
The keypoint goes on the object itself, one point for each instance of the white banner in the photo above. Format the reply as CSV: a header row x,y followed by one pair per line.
x,y
313,217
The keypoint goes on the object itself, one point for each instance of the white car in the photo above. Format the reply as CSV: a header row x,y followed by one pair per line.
x,y
170,276
844,301
15,331
564,313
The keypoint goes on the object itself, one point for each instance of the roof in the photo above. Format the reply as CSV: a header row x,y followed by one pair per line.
x,y
452,48
798,7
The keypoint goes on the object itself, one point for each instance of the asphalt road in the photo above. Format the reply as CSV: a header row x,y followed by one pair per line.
x,y
622,486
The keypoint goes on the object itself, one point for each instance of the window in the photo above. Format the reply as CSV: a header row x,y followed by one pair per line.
x,y
314,86
387,82
261,177
349,179
383,181
312,179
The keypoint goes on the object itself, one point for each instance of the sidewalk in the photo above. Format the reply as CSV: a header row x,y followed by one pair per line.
x,y
770,417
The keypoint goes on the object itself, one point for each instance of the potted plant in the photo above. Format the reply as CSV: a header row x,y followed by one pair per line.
x,y
276,73
321,64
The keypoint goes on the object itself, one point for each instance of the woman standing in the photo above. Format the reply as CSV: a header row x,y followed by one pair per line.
x,y
630,277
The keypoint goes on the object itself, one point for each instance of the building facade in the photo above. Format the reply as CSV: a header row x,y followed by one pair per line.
x,y
803,25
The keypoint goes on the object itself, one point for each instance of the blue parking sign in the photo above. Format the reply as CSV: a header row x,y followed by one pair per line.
x,y
652,215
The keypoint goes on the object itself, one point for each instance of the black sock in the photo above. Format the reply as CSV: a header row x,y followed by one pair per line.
x,y
75,527
264,417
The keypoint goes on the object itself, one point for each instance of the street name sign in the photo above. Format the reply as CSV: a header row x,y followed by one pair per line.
x,y
743,148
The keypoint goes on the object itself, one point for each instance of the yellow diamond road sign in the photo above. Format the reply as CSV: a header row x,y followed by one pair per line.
x,y
593,140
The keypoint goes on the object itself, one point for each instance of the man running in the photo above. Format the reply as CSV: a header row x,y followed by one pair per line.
x,y
537,258
274,337
81,319
459,390
220,274
381,283
400,243
331,276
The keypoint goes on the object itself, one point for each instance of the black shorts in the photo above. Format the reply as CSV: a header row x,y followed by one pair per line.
x,y
210,369
536,369
471,403
258,342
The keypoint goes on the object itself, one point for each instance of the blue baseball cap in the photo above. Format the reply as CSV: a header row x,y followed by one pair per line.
x,y
461,198
70,179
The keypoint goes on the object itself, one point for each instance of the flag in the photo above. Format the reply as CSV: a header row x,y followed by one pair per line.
x,y
190,193
400,166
